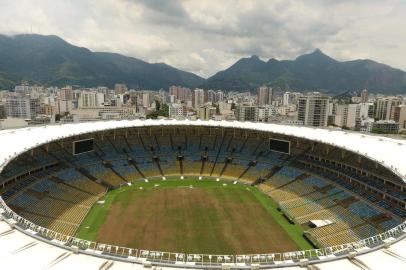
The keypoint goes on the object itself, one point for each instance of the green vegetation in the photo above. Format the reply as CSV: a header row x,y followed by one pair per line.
x,y
377,131
194,216
160,111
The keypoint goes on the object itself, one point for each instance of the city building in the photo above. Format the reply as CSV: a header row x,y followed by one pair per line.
x,y
264,95
21,107
265,113
211,96
219,96
246,113
364,96
198,97
64,106
385,107
400,116
207,112
347,115
313,110
120,88
290,98
384,126
103,113
66,93
177,110
180,93
90,99
365,110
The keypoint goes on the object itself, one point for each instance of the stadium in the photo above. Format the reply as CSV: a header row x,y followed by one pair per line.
x,y
200,194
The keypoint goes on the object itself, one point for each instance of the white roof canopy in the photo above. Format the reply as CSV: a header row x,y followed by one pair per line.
x,y
391,153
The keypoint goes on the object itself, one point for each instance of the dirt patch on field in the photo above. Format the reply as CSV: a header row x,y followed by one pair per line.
x,y
198,220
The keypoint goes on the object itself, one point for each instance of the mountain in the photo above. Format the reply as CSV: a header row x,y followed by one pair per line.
x,y
313,71
51,61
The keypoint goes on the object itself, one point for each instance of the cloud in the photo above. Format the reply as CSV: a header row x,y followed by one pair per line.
x,y
207,36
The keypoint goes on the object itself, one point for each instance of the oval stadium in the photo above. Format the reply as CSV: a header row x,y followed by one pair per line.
x,y
136,194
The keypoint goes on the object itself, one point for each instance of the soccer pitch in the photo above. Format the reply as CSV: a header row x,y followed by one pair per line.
x,y
192,216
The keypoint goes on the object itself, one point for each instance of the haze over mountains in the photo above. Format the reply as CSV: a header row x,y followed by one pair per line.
x,y
49,60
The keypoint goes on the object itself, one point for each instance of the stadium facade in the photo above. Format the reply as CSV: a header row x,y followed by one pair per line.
x,y
357,179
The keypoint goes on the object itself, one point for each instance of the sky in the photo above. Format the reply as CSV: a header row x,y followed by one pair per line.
x,y
206,36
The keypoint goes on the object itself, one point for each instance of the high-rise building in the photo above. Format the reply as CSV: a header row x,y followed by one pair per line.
x,y
346,115
66,93
90,99
350,115
400,116
364,96
219,96
313,110
286,98
198,97
211,96
120,88
23,89
180,93
385,107
22,107
63,106
264,95
246,113
147,98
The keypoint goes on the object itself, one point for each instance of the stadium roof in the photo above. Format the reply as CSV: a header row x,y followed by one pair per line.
x,y
389,152
20,251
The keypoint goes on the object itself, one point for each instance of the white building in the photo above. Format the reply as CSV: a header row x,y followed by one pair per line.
x,y
177,110
264,95
266,112
90,99
313,110
385,107
400,116
198,97
21,107
348,115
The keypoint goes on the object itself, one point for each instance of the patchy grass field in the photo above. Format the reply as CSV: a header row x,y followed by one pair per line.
x,y
192,216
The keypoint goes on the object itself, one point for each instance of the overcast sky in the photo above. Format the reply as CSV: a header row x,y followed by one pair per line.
x,y
207,36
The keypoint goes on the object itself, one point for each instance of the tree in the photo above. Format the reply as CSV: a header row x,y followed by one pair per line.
x,y
157,105
377,130
163,111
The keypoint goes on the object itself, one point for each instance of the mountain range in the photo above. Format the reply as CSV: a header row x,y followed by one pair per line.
x,y
51,61
314,71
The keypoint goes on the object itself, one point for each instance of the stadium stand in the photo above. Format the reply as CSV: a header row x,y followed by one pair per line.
x,y
56,189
